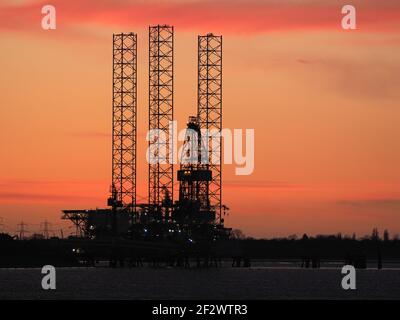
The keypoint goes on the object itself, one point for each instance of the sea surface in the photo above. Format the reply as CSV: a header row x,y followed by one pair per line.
x,y
261,281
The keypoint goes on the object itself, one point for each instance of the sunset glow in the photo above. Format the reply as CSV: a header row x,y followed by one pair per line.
x,y
324,104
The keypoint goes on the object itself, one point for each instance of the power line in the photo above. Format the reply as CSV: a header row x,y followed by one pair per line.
x,y
22,230
45,229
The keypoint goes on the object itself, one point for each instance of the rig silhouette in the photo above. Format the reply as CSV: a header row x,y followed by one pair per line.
x,y
198,213
165,230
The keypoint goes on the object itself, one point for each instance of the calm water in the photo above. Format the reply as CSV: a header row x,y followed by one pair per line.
x,y
223,283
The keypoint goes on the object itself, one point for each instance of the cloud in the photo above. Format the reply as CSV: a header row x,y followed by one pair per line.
x,y
384,203
32,191
31,183
303,61
22,197
370,78
259,184
91,135
100,135
219,16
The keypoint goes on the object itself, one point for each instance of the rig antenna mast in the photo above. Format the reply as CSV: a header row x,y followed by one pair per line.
x,y
161,114
210,113
124,120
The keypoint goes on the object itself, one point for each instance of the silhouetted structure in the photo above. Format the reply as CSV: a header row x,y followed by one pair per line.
x,y
197,214
124,122
45,229
22,230
209,114
161,115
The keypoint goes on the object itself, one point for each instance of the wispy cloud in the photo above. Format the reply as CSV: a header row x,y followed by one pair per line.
x,y
259,184
99,135
384,203
34,197
373,78
91,135
219,16
39,191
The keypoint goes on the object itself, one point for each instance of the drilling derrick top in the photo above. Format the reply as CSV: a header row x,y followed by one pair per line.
x,y
193,177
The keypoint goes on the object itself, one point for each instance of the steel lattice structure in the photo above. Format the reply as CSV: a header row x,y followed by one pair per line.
x,y
124,119
161,111
210,112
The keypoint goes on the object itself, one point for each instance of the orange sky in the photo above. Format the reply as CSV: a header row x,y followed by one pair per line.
x,y
324,104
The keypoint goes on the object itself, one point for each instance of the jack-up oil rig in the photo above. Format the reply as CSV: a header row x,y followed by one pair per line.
x,y
197,216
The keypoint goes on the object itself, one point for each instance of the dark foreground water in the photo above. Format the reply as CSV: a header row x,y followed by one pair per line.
x,y
222,283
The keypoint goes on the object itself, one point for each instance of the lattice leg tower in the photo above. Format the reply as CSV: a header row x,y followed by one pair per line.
x,y
161,98
124,119
210,111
